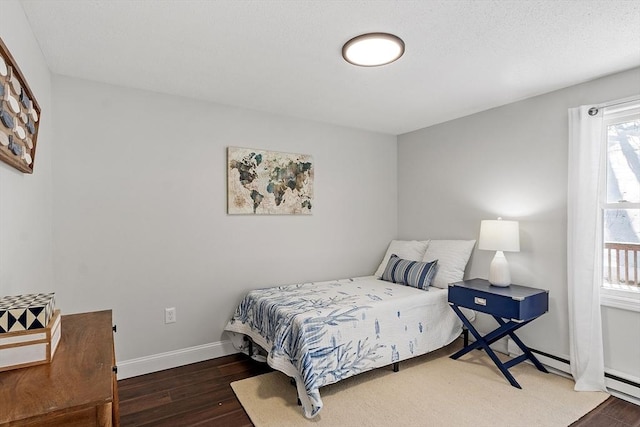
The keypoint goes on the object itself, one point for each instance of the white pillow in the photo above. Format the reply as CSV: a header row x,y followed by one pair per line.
x,y
412,250
452,256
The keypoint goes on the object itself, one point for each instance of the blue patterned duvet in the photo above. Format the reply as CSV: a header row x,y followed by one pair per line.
x,y
320,333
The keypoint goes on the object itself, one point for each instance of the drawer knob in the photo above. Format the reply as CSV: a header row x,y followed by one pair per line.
x,y
479,301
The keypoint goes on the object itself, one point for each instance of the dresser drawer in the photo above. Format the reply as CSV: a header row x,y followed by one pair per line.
x,y
518,303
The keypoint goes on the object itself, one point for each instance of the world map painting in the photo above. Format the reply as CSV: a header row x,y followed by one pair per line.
x,y
268,182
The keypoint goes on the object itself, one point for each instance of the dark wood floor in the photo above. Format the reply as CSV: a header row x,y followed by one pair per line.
x,y
200,395
613,412
192,395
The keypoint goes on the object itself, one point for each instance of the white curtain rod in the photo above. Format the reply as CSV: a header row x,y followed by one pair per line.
x,y
594,110
634,98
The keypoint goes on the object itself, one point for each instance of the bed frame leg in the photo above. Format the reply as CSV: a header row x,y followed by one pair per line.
x,y
465,336
396,366
250,341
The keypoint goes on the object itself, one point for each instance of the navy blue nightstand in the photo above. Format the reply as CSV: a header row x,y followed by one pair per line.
x,y
518,304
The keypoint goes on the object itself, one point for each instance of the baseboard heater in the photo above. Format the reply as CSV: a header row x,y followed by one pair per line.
x,y
606,374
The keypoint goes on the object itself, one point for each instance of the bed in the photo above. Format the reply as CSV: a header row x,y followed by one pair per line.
x,y
320,333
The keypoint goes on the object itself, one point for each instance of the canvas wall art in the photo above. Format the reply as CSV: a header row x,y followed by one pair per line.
x,y
268,182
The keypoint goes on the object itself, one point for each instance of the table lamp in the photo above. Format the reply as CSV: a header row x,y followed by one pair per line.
x,y
499,235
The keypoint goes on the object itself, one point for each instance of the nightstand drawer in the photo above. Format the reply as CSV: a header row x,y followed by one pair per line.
x,y
518,303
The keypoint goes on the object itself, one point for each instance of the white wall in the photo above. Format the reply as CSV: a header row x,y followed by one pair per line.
x,y
512,162
140,211
139,218
26,199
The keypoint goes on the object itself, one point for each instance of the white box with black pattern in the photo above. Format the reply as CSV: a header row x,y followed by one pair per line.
x,y
26,312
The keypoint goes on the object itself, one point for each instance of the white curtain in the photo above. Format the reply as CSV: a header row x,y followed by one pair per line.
x,y
584,245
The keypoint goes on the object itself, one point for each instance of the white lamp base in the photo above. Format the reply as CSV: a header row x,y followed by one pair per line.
x,y
499,271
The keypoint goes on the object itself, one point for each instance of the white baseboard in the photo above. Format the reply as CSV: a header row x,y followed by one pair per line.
x,y
617,388
172,359
621,389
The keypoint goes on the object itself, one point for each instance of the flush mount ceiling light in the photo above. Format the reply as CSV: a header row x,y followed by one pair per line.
x,y
373,49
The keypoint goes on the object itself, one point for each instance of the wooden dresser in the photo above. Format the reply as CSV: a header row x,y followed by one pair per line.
x,y
78,388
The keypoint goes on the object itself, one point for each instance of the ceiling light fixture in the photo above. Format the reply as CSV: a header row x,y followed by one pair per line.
x,y
373,49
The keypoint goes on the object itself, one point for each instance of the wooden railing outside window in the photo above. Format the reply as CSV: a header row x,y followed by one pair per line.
x,y
621,263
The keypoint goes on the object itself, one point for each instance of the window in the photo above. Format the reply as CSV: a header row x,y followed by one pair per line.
x,y
620,204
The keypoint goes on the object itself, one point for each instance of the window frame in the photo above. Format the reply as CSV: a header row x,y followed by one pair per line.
x,y
616,295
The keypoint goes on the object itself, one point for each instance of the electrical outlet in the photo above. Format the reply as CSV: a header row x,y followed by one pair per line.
x,y
170,315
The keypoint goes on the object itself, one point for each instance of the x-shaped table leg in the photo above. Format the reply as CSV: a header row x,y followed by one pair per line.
x,y
505,328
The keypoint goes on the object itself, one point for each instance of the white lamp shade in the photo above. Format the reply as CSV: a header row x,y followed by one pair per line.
x,y
499,235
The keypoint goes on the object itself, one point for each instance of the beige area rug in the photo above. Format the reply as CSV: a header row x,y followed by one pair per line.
x,y
431,390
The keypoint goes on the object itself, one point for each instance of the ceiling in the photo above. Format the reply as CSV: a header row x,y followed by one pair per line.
x,y
284,56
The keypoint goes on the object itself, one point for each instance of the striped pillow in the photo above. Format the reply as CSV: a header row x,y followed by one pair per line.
x,y
412,273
